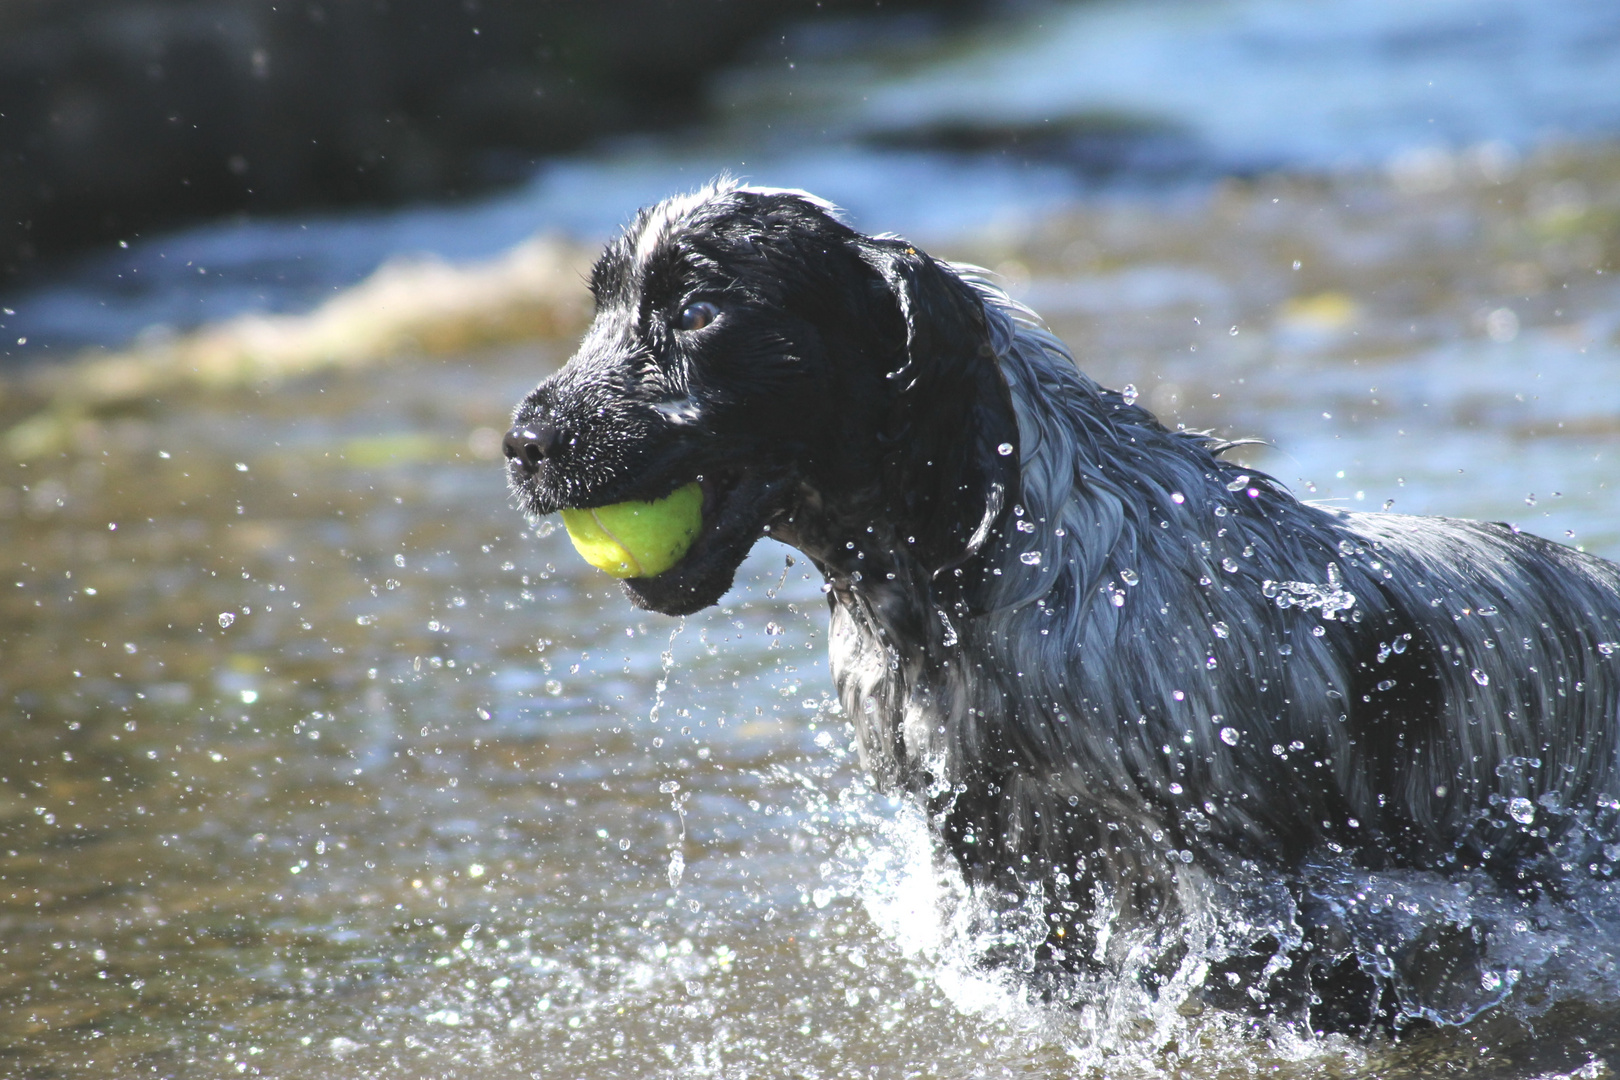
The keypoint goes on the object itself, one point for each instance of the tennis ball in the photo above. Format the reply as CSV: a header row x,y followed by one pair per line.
x,y
638,539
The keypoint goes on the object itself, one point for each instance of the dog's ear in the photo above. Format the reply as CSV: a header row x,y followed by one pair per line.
x,y
952,460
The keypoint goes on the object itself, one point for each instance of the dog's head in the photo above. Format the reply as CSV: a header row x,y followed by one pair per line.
x,y
825,387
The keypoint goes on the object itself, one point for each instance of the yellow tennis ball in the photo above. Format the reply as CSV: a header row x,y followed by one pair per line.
x,y
638,539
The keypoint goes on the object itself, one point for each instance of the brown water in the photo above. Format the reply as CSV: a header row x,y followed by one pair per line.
x,y
319,761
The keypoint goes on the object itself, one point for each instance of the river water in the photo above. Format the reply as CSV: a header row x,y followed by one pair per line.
x,y
320,761
936,135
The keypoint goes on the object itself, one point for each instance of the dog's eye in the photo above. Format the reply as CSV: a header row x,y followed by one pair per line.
x,y
698,315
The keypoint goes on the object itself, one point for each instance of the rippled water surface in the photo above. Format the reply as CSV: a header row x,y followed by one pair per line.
x,y
320,761
935,136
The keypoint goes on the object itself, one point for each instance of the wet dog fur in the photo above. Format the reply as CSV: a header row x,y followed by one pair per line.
x,y
1122,674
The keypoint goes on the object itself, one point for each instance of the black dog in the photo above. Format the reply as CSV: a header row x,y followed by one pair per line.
x,y
1123,675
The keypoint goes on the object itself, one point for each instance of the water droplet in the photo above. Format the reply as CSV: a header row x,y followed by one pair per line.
x,y
1502,325
1522,810
1005,449
1233,332
1229,564
1026,526
1177,497
1486,611
1175,789
1222,630
669,787
1318,631
1179,695
1230,736
1129,394
226,618
1285,649
1387,684
677,867
1129,577
1030,558
1480,677
1239,484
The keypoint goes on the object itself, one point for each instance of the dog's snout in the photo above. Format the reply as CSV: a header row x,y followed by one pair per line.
x,y
530,444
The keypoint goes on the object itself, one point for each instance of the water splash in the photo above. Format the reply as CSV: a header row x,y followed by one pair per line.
x,y
677,867
1452,950
1331,598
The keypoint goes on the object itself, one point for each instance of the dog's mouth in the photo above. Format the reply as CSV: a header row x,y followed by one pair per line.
x,y
737,506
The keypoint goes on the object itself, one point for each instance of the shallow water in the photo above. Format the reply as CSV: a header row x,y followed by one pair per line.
x,y
936,136
319,761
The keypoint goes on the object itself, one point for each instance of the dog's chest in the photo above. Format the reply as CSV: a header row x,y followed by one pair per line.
x,y
882,688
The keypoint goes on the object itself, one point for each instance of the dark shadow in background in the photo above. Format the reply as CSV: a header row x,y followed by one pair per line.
x,y
120,116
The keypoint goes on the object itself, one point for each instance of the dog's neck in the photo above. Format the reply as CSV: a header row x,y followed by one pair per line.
x,y
903,629
851,545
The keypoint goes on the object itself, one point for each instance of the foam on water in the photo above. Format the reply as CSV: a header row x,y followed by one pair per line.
x,y
1455,952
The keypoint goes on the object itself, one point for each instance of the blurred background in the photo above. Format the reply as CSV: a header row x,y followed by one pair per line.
x,y
317,759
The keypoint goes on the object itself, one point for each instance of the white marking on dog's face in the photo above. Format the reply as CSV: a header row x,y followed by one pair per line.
x,y
664,220
830,209
669,215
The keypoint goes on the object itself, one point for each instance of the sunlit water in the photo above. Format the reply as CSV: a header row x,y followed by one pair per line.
x,y
1112,95
320,761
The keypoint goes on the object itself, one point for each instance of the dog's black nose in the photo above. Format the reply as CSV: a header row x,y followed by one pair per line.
x,y
530,444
